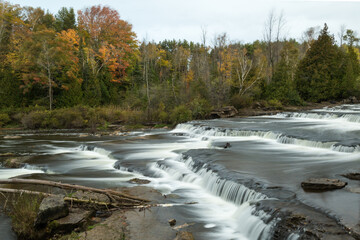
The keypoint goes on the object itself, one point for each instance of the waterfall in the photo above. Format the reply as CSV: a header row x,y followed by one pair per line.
x,y
354,118
250,222
199,130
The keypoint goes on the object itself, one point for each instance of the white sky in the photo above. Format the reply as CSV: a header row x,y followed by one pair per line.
x,y
242,20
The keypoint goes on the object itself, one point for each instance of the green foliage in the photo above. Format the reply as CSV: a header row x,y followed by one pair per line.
x,y
65,19
241,101
4,119
23,212
180,114
161,115
275,104
33,120
200,108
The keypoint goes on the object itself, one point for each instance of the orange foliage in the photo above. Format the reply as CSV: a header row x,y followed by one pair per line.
x,y
110,38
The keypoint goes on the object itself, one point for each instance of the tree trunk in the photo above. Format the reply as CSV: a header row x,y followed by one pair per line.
x,y
107,192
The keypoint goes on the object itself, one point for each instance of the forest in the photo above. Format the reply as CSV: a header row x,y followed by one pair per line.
x,y
88,69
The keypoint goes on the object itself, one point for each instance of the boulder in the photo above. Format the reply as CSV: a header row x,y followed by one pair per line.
x,y
77,218
322,184
182,235
51,208
16,162
224,112
352,176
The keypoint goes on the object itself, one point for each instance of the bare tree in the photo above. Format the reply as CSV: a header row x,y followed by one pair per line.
x,y
244,64
274,26
341,33
308,37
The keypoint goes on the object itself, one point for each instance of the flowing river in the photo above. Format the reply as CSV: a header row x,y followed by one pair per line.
x,y
267,158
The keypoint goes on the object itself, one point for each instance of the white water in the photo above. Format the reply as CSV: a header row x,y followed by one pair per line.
x,y
6,173
196,130
231,214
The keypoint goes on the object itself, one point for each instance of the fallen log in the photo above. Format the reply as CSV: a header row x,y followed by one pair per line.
x,y
108,192
73,200
134,205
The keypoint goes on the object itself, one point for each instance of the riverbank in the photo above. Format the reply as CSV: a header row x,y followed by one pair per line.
x,y
112,118
86,220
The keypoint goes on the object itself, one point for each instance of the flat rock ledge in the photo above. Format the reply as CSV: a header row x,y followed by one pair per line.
x,y
322,184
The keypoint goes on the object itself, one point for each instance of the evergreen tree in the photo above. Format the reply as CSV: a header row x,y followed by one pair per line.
x,y
319,74
65,19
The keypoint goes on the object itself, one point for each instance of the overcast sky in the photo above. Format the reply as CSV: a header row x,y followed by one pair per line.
x,y
242,20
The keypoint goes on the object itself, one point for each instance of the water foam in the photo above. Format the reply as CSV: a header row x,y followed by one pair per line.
x,y
198,130
243,221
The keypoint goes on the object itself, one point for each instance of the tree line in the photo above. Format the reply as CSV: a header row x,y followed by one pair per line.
x,y
93,58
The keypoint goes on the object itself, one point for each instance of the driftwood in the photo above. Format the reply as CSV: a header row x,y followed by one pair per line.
x,y
110,193
134,205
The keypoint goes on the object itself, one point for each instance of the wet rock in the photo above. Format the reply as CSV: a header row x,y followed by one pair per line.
x,y
139,181
227,145
172,196
172,222
354,190
143,192
91,196
16,162
302,222
12,137
224,112
184,236
352,176
51,208
322,184
113,228
77,218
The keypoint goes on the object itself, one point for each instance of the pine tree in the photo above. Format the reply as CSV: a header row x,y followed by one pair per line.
x,y
319,74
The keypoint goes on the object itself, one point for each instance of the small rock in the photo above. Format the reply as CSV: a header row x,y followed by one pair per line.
x,y
139,181
352,176
51,208
184,236
172,196
12,137
172,222
227,145
83,135
322,184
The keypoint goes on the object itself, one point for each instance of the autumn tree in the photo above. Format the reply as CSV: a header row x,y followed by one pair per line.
x,y
110,40
222,70
249,68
